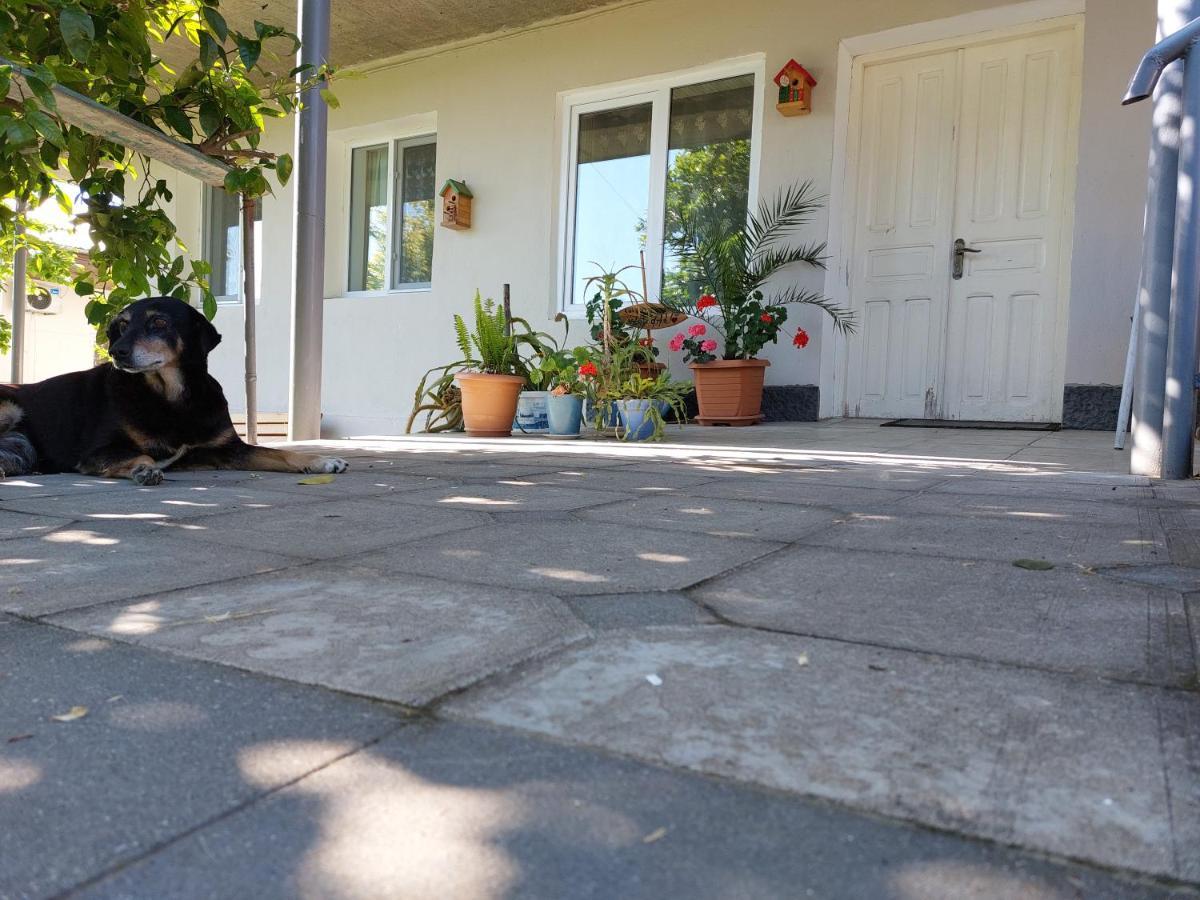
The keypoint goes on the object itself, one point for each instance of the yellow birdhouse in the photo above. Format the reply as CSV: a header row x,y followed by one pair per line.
x,y
795,89
456,205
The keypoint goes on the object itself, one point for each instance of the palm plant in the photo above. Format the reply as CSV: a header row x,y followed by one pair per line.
x,y
733,261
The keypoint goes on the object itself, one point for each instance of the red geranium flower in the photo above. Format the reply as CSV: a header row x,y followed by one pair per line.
x,y
706,301
766,317
801,338
697,330
676,343
646,342
588,370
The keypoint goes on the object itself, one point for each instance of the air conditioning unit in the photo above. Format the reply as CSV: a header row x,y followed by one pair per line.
x,y
45,301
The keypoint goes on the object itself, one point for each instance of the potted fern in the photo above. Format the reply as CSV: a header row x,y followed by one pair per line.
x,y
489,384
724,267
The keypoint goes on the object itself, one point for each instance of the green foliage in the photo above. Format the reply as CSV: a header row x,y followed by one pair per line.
x,y
619,378
440,399
558,371
5,335
491,347
217,95
605,326
735,260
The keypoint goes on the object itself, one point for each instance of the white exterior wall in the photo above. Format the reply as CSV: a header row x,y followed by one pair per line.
x,y
495,109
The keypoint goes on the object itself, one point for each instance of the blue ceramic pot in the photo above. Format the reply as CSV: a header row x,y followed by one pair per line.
x,y
532,416
564,415
611,419
636,423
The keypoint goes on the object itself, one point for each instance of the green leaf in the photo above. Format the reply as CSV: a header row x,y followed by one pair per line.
x,y
78,31
210,117
42,91
210,305
216,22
50,154
283,168
249,51
46,127
330,100
178,120
209,50
84,288
19,133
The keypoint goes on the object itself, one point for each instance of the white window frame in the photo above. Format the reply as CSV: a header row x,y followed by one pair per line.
x,y
657,92
206,211
394,144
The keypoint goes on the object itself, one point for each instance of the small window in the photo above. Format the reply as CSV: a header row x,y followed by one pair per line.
x,y
223,245
635,162
392,194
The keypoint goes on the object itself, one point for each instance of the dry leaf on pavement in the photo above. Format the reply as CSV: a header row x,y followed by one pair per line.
x,y
75,712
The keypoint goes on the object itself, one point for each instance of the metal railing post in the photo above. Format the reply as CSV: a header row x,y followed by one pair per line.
x,y
16,348
308,294
1169,290
1179,402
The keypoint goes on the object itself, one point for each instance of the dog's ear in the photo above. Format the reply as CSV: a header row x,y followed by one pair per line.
x,y
204,334
209,336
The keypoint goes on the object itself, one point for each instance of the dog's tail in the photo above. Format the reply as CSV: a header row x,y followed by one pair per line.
x,y
17,456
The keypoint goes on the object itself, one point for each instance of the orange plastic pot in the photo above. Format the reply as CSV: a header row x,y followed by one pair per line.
x,y
729,391
489,402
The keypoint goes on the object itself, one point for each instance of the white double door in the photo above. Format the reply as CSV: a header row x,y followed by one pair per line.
x,y
967,144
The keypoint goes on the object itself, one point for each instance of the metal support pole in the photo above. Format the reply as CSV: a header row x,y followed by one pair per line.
x,y
16,349
1177,32
1179,404
248,300
304,415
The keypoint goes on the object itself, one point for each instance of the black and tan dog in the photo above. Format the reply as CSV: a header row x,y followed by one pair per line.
x,y
153,406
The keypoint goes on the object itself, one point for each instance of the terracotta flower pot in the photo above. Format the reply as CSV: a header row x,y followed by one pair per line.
x,y
489,402
729,391
650,369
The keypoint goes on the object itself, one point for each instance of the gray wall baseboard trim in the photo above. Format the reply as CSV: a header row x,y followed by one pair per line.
x,y
1091,407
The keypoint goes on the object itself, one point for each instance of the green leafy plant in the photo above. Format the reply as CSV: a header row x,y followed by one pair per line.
x,y
734,261
559,371
618,378
490,347
175,66
603,312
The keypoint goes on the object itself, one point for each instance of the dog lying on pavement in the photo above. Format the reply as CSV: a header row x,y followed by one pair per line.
x,y
153,406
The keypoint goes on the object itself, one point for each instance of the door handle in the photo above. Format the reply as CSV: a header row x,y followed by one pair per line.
x,y
960,250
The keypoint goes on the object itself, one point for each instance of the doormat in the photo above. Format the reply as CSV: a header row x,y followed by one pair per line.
x,y
969,423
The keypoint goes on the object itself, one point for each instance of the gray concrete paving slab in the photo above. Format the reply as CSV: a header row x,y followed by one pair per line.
x,y
1181,579
602,612
451,810
100,561
1060,541
17,525
512,495
994,751
719,517
26,486
1029,507
355,483
160,503
404,639
166,746
331,530
1069,487
572,557
626,479
986,610
811,493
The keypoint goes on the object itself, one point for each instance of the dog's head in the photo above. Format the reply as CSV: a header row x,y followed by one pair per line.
x,y
158,333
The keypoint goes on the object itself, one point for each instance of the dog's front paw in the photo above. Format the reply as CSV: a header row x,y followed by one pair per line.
x,y
146,475
326,465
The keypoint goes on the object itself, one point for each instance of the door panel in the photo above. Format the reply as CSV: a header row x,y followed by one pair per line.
x,y
1010,206
900,275
973,143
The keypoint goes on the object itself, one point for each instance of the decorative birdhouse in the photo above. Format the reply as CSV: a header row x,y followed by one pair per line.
x,y
795,89
456,205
